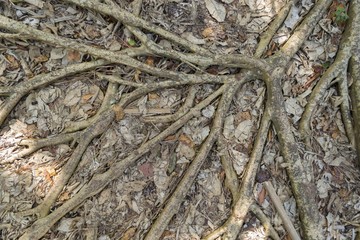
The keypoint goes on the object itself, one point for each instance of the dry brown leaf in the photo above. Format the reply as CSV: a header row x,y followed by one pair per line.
x,y
150,61
119,112
86,97
170,138
41,59
186,140
262,195
12,62
129,234
146,169
73,56
153,96
208,32
92,31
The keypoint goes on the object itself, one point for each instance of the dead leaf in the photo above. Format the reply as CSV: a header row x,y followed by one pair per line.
x,y
216,10
73,56
119,112
129,234
153,96
12,62
208,32
146,169
57,53
186,151
186,140
150,61
41,59
262,195
92,31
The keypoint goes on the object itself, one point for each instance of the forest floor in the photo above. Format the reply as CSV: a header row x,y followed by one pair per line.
x,y
102,116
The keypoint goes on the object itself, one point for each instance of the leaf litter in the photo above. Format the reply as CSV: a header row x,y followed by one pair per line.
x,y
133,198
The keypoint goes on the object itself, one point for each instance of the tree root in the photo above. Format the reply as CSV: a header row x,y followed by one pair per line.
x,y
182,110
337,70
99,181
270,70
16,93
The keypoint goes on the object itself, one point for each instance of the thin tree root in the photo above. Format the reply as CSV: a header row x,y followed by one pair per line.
x,y
108,100
182,188
69,168
99,181
348,46
20,90
231,228
270,70
265,221
232,183
280,209
354,71
182,110
345,108
33,145
319,91
266,37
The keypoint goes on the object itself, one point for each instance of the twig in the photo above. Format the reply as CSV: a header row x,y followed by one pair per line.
x,y
280,209
265,221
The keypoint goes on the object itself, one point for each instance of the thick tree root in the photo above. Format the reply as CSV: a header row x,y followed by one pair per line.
x,y
99,181
270,70
337,71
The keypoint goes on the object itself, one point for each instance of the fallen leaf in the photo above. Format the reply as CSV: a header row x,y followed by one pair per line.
x,y
153,96
41,59
129,234
216,10
208,32
119,112
262,195
12,62
150,61
73,56
183,138
146,169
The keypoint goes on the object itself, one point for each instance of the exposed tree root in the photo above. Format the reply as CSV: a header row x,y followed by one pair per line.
x,y
99,181
16,93
270,70
337,71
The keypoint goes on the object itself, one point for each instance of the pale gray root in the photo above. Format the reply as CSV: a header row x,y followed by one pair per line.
x,y
21,89
179,113
354,70
99,181
244,199
173,204
345,107
33,145
348,46
69,168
